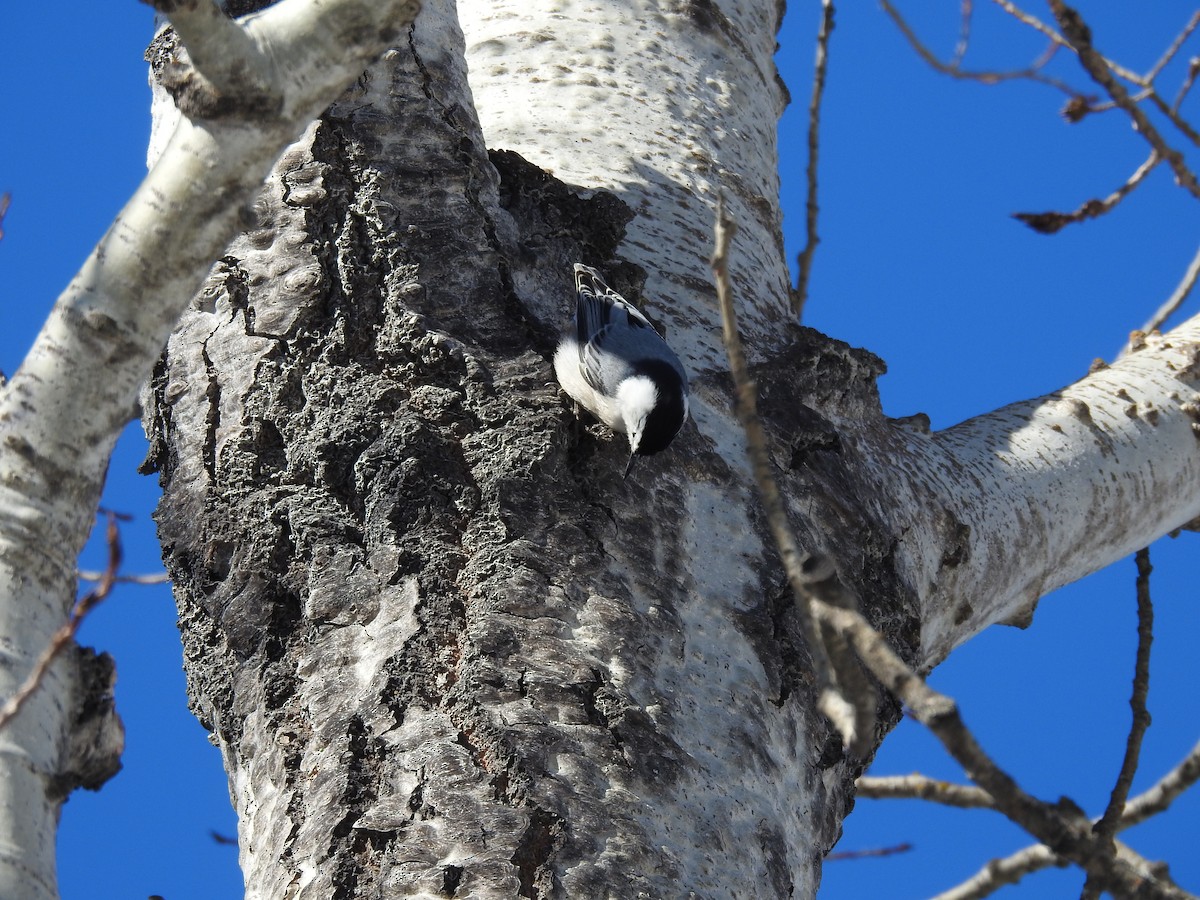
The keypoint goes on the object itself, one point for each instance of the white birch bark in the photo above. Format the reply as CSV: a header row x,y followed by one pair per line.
x,y
61,412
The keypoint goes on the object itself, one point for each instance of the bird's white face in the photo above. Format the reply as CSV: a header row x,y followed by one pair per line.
x,y
636,397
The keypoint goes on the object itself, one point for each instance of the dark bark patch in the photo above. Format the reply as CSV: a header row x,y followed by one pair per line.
x,y
533,853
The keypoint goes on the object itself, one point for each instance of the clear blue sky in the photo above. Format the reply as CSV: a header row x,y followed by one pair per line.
x,y
920,263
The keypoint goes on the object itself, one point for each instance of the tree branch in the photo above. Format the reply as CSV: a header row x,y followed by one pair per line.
x,y
1062,827
1167,56
1051,222
1107,827
1038,25
800,294
224,70
845,697
66,632
1178,296
921,787
998,873
952,69
1077,33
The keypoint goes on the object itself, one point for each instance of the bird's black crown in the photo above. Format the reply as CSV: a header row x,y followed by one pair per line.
x,y
668,414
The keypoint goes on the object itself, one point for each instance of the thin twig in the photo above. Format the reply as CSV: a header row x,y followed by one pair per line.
x,y
1173,49
1188,81
1107,827
1076,31
1177,120
921,787
757,447
1159,796
66,632
866,854
1050,222
1061,826
811,210
845,696
998,873
953,70
154,578
964,33
1038,25
1180,294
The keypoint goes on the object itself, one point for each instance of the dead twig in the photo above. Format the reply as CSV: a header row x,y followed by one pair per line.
x,y
1077,33
846,698
1051,222
867,854
800,295
1032,73
998,873
1106,828
1178,296
66,632
1180,38
1063,827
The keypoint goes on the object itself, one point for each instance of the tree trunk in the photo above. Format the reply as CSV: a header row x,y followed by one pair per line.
x,y
445,649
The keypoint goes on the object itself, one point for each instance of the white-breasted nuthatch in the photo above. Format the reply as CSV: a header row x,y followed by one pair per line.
x,y
614,364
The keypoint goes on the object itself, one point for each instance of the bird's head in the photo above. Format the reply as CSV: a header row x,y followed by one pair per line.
x,y
653,406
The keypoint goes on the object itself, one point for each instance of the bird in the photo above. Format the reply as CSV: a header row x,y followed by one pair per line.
x,y
615,364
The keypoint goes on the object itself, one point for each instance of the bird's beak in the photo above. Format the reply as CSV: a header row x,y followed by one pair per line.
x,y
629,465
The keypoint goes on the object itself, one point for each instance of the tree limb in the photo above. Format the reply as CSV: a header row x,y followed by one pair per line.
x,y
921,787
800,294
1062,827
1077,33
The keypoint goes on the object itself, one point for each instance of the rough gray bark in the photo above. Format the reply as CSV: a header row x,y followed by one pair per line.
x,y
443,647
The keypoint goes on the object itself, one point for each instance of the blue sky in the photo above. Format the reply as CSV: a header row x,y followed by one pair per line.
x,y
920,262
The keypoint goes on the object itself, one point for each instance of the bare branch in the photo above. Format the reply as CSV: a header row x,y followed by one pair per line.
x,y
1079,35
5,198
1107,827
1180,294
1031,73
1188,81
921,787
1051,222
865,854
964,32
846,698
800,294
224,66
66,632
1062,827
1178,121
1159,797
1173,49
1038,25
154,578
998,873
